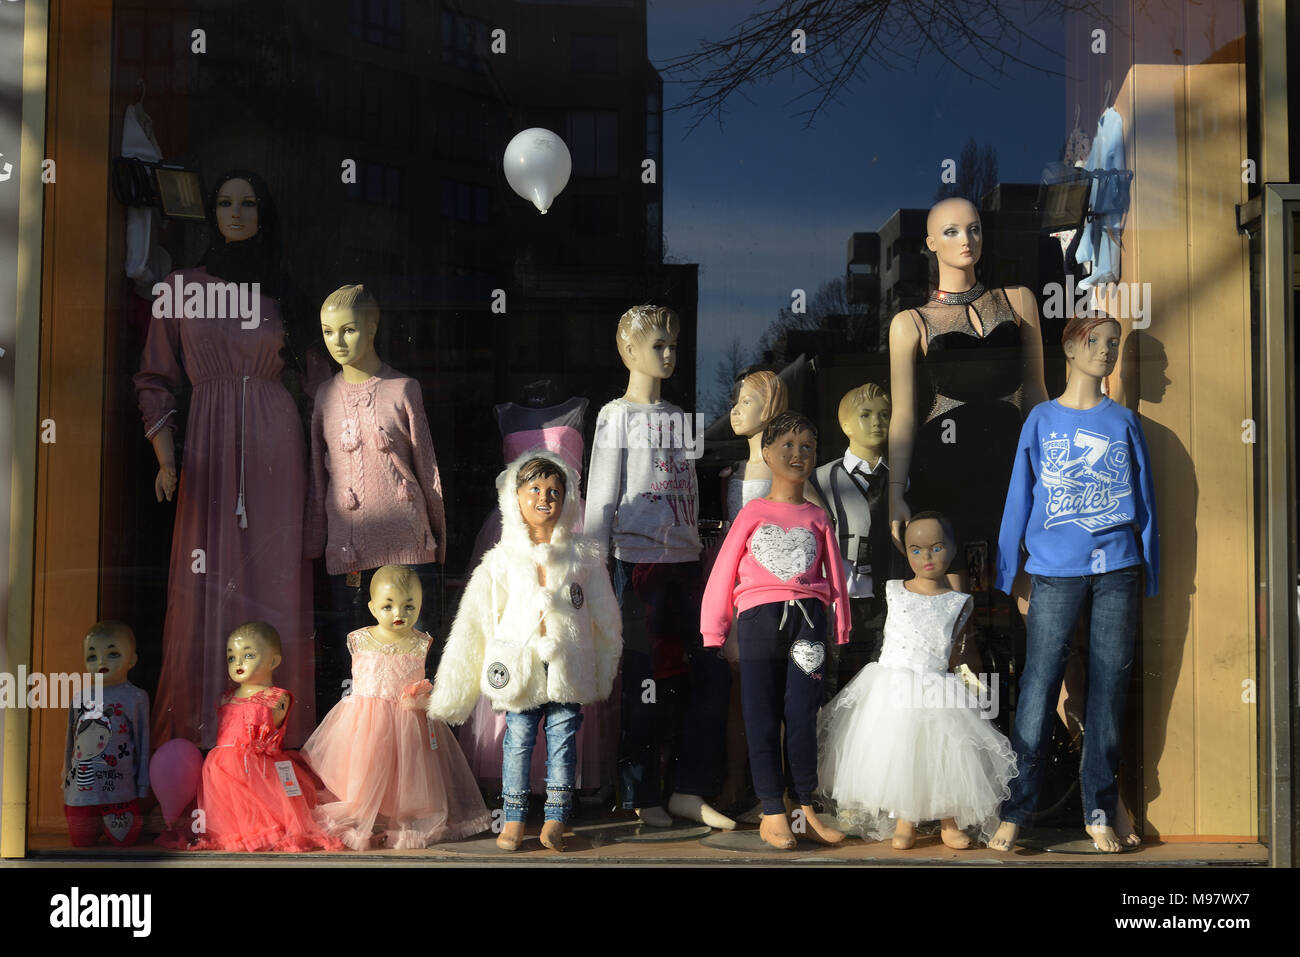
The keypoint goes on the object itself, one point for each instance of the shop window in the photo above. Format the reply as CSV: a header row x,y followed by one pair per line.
x,y
593,142
377,21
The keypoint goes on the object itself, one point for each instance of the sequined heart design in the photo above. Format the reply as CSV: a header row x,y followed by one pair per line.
x,y
808,655
786,554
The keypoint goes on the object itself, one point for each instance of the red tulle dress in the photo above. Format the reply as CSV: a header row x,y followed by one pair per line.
x,y
245,805
391,768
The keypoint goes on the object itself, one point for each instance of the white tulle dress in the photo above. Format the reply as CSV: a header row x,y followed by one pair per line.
x,y
906,738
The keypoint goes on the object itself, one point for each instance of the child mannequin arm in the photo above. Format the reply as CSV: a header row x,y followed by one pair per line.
x,y
604,479
1145,508
718,604
833,562
607,630
314,531
456,687
140,725
1015,515
425,465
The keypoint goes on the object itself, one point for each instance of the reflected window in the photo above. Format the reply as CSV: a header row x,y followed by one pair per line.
x,y
466,202
377,183
464,42
593,142
377,21
598,54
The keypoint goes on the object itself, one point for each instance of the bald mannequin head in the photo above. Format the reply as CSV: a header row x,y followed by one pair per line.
x,y
956,210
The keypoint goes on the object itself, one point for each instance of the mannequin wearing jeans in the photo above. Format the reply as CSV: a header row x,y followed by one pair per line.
x,y
1082,501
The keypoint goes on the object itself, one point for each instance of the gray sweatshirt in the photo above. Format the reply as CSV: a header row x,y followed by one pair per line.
x,y
642,497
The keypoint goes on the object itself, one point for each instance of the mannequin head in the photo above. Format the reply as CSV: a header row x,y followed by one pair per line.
x,y
761,397
253,653
864,419
954,235
1091,345
395,599
236,210
647,340
540,487
929,546
790,449
240,207
109,651
349,319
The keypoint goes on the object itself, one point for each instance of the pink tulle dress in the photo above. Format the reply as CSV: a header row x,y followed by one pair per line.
x,y
245,802
388,766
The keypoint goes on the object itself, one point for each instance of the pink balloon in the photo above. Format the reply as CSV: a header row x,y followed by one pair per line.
x,y
174,774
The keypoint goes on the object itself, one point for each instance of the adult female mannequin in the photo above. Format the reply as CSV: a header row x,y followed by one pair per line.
x,y
1081,500
979,354
237,541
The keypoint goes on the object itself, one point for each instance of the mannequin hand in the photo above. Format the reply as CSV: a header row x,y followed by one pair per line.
x,y
899,515
164,486
416,696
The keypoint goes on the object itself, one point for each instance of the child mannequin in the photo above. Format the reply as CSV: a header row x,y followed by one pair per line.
x,y
253,796
538,632
854,490
375,493
106,758
1082,501
378,752
785,553
643,505
905,739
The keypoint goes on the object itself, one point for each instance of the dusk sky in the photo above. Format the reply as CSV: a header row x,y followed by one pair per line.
x,y
765,205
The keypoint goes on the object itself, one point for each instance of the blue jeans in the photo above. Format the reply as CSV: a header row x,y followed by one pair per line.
x,y
562,723
670,594
1054,609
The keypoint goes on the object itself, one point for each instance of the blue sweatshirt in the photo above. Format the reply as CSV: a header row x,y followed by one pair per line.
x,y
1081,497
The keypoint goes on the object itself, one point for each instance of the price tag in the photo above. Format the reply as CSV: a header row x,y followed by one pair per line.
x,y
288,779
353,580
433,737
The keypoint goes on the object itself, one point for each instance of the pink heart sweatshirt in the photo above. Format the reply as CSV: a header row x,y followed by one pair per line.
x,y
780,552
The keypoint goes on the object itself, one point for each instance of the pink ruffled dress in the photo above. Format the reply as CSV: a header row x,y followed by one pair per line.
x,y
388,767
245,804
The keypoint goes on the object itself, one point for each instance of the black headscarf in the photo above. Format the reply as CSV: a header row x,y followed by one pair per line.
x,y
257,259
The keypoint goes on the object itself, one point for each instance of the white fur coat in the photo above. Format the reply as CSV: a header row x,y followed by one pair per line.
x,y
495,648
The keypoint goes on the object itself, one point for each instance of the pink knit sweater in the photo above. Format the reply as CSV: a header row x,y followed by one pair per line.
x,y
375,497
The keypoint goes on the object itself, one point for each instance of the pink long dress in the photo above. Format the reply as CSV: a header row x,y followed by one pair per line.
x,y
243,432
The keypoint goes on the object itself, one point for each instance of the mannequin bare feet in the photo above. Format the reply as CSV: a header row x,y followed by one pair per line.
x,y
1004,838
952,835
818,831
512,832
1124,825
904,835
695,808
1104,839
553,835
654,816
775,829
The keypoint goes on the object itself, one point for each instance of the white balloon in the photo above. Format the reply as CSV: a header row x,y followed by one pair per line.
x,y
538,165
